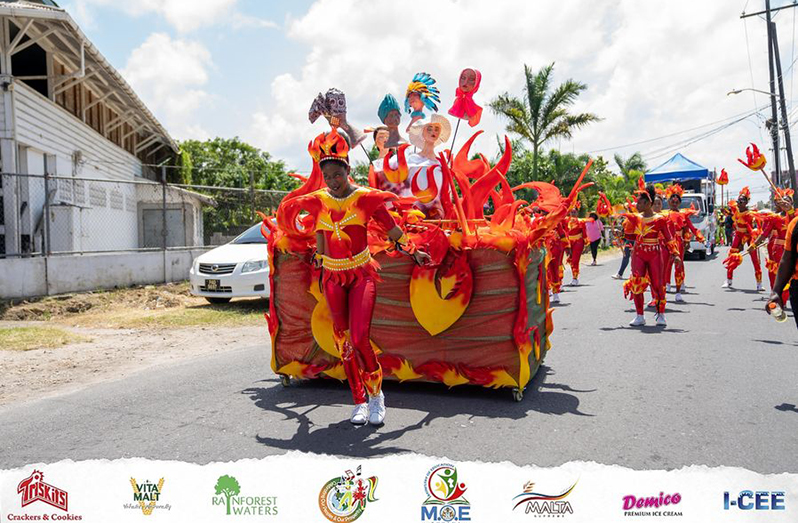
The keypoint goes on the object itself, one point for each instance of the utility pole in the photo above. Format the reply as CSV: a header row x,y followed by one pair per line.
x,y
774,126
785,126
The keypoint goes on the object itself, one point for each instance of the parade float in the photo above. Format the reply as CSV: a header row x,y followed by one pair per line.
x,y
477,314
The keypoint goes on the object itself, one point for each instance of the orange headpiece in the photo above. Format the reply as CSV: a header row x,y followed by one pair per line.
x,y
783,193
329,146
641,188
745,192
674,189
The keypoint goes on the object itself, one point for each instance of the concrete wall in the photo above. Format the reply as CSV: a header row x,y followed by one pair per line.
x,y
29,277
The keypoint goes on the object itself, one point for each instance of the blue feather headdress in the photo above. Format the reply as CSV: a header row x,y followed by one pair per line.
x,y
423,85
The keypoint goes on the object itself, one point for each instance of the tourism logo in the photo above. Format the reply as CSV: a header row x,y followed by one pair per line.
x,y
546,505
146,496
227,494
634,506
33,489
755,500
344,498
445,495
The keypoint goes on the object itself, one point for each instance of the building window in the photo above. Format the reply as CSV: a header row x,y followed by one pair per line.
x,y
31,61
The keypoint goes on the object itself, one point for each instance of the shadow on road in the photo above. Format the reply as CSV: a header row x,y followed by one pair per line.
x,y
298,402
786,407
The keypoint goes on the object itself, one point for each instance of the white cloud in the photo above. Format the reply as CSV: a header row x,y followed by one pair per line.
x,y
169,75
183,15
652,68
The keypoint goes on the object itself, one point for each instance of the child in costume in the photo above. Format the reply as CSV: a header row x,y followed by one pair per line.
x,y
774,230
556,244
683,229
342,212
576,239
421,93
744,220
647,256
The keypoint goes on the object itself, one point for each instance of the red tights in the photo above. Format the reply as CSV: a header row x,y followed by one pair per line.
x,y
738,241
647,263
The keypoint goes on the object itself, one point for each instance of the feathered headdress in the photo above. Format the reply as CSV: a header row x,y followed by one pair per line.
x,y
674,190
603,206
423,85
388,104
745,191
641,188
783,193
329,146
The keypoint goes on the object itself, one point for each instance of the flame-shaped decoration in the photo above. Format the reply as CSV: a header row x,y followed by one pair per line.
x,y
398,175
723,179
674,189
431,192
329,145
754,159
603,206
439,297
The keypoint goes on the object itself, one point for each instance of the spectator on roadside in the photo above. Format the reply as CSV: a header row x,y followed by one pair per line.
x,y
728,226
594,229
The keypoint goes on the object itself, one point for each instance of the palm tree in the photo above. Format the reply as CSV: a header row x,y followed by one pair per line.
x,y
542,114
633,163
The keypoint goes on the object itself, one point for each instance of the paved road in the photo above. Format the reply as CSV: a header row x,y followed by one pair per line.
x,y
718,387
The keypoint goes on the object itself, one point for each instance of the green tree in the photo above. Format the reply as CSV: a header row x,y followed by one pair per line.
x,y
634,163
229,487
360,170
236,167
542,113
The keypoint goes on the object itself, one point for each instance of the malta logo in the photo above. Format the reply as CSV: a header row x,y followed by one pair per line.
x,y
146,494
344,499
544,504
445,495
35,489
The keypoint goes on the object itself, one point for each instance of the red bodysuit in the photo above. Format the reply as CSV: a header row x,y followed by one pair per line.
x,y
647,259
775,228
556,242
683,230
349,276
577,235
743,236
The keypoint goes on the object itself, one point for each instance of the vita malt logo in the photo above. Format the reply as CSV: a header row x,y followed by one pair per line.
x,y
344,498
547,505
146,494
227,493
445,495
35,489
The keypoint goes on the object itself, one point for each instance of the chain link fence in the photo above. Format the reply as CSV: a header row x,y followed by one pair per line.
x,y
44,215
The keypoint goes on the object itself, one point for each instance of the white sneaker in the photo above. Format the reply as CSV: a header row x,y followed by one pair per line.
x,y
555,297
679,298
377,409
759,287
617,277
360,414
727,284
639,321
574,282
661,320
668,288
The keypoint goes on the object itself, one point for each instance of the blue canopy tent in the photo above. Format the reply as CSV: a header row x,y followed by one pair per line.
x,y
678,169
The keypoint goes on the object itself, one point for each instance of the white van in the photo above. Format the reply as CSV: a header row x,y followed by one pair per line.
x,y
704,221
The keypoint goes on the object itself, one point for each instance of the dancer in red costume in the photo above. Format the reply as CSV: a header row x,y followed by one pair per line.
x,y
577,235
656,208
647,256
342,212
556,243
744,220
683,230
775,228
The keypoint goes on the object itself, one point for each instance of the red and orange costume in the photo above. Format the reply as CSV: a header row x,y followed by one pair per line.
x,y
556,243
743,236
577,236
349,272
647,259
684,231
774,228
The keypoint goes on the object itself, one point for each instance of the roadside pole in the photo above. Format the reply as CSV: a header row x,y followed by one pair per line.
x,y
163,219
785,126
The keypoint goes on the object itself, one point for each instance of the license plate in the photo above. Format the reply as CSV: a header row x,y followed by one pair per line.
x,y
212,285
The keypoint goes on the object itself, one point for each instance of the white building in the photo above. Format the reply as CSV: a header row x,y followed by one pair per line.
x,y
77,150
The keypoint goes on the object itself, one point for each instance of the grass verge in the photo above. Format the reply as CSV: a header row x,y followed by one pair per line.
x,y
33,338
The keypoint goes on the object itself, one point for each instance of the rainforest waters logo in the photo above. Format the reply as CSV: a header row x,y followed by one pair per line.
x,y
344,498
227,494
146,496
33,489
445,495
544,505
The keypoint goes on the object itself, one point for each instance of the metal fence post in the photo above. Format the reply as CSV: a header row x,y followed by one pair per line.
x,y
252,192
163,219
